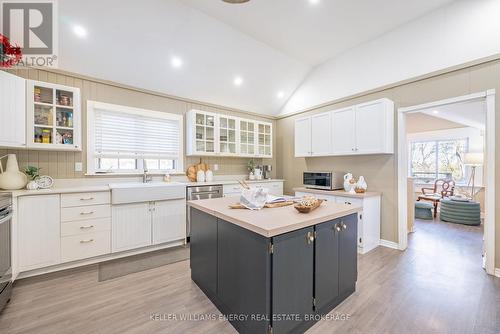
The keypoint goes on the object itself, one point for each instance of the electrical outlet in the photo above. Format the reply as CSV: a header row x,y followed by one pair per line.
x,y
78,167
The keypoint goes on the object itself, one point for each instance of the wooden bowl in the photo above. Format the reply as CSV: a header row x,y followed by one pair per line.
x,y
360,190
308,208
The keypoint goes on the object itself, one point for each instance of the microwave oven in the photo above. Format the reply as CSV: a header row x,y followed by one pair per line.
x,y
323,180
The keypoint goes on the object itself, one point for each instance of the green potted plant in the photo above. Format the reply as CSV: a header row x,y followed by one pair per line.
x,y
33,173
251,169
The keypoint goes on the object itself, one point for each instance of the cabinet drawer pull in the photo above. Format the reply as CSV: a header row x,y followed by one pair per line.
x,y
86,241
86,227
87,199
349,203
310,237
86,213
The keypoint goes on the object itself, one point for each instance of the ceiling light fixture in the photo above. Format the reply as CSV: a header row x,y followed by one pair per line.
x,y
176,62
235,1
80,31
436,111
314,2
238,81
281,94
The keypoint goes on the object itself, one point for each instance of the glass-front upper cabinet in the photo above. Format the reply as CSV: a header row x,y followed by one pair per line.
x,y
53,117
227,135
264,141
210,133
247,137
203,125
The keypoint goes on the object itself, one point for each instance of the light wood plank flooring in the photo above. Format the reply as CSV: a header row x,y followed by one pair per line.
x,y
436,286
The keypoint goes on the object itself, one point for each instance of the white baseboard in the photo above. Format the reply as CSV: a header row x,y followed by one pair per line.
x,y
389,244
497,272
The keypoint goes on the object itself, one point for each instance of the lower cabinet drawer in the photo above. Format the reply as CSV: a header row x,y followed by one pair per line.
x,y
85,212
84,246
350,201
85,226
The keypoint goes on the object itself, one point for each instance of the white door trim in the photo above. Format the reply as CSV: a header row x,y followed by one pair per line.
x,y
489,221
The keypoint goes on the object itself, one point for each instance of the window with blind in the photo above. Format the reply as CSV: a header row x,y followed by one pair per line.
x,y
122,139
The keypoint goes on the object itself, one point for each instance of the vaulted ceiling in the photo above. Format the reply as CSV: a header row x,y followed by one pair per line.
x,y
251,56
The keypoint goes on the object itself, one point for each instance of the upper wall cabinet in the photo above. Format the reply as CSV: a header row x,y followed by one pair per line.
x,y
12,110
221,135
53,117
366,128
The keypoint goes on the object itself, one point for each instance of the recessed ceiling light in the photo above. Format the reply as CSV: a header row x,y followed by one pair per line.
x,y
176,62
80,31
314,2
238,81
436,111
281,94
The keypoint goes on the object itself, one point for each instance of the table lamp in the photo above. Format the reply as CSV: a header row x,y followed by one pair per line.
x,y
473,159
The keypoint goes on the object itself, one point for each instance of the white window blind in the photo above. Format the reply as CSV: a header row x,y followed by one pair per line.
x,y
122,139
127,135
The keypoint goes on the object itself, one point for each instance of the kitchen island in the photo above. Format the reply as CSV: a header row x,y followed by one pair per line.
x,y
273,270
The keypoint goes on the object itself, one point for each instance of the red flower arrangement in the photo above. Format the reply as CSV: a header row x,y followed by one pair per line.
x,y
9,55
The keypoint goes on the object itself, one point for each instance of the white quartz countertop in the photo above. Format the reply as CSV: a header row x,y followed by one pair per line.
x,y
82,187
223,182
270,222
338,192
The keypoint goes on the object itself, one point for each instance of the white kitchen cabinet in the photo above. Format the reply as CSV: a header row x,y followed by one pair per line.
x,y
247,138
201,133
53,117
264,140
366,128
131,226
12,110
210,134
39,236
303,137
375,127
368,218
321,132
169,221
228,135
343,131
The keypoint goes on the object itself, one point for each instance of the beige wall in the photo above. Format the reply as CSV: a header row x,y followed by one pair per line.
x,y
381,170
420,122
62,164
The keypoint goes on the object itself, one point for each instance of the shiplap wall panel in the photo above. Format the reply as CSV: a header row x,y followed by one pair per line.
x,y
62,164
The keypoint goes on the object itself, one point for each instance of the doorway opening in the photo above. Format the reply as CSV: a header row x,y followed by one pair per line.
x,y
446,175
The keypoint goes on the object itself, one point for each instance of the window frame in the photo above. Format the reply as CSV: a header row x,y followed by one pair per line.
x,y
436,169
91,163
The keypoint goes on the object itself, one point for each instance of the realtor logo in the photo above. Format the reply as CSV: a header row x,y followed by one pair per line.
x,y
31,25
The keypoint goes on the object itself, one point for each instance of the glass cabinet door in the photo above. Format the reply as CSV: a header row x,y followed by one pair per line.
x,y
264,139
247,137
227,135
53,115
205,133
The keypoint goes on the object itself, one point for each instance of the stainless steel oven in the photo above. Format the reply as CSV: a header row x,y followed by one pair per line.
x,y
5,246
323,180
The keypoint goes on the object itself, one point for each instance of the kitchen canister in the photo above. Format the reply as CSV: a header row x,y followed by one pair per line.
x,y
200,176
11,178
209,176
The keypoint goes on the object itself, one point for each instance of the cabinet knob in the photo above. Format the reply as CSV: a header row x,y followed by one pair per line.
x,y
344,227
337,227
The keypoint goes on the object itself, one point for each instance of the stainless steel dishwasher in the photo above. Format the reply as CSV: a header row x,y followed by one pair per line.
x,y
194,193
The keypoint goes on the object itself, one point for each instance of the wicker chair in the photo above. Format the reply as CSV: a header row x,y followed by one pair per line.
x,y
442,189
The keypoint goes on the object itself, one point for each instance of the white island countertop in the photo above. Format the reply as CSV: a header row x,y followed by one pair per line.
x,y
270,222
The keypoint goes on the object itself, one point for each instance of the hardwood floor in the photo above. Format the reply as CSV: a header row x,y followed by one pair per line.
x,y
436,286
